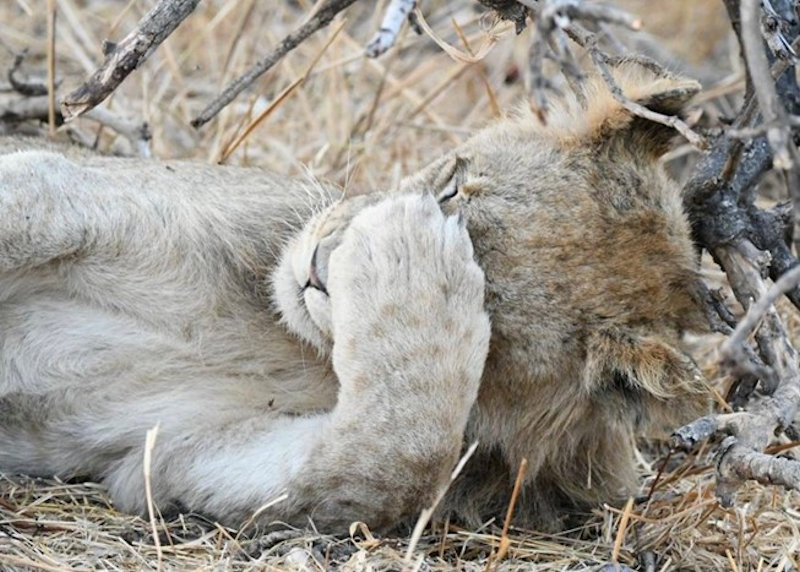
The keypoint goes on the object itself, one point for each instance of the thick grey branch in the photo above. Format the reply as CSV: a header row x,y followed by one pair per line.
x,y
737,463
127,55
749,244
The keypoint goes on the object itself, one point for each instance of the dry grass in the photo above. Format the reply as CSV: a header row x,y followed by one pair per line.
x,y
362,123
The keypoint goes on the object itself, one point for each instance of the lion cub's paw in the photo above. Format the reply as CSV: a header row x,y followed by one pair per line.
x,y
407,294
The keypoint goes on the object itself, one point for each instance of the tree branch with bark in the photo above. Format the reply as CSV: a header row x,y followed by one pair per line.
x,y
749,245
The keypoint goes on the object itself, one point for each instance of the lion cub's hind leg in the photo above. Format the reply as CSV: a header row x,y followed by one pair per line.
x,y
43,211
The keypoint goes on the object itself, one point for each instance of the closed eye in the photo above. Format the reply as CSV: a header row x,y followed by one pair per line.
x,y
450,190
457,177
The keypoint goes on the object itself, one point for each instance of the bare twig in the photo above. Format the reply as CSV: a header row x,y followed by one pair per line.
x,y
505,543
640,110
287,91
763,128
396,13
319,20
579,10
589,41
150,442
427,513
731,349
24,87
553,18
772,28
557,18
137,133
540,84
621,529
127,55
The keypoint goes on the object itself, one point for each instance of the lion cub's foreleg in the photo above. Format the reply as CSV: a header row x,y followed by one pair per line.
x,y
410,340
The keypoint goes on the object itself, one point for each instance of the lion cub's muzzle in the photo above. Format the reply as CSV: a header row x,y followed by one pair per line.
x,y
331,229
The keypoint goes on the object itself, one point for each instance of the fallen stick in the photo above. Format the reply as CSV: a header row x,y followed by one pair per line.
x,y
127,55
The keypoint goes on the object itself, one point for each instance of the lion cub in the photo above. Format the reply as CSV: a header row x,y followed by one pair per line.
x,y
329,359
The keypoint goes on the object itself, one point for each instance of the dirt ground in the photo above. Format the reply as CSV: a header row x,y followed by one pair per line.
x,y
365,123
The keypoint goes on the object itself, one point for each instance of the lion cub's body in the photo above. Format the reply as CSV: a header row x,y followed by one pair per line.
x,y
339,351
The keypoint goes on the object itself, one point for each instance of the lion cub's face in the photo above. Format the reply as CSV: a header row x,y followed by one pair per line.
x,y
590,269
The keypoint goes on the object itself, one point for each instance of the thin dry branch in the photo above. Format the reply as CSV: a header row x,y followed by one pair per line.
x,y
600,59
579,10
640,110
558,19
51,67
319,20
505,543
283,96
732,348
553,20
772,28
36,104
136,132
129,54
427,513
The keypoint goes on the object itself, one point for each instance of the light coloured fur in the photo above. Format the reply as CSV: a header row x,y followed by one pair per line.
x,y
135,294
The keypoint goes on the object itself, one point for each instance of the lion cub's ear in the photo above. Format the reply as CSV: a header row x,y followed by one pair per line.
x,y
648,84
654,87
